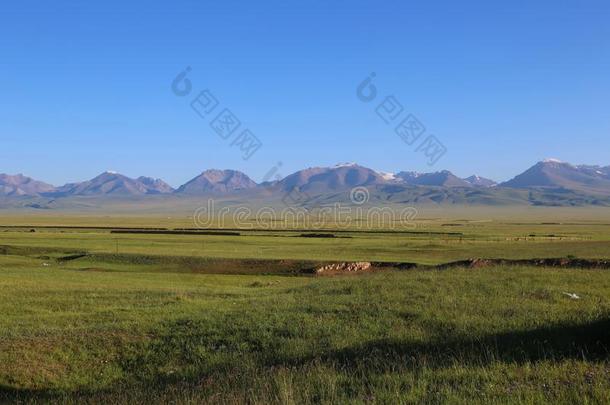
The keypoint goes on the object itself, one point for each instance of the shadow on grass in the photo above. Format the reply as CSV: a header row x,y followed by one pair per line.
x,y
196,350
192,349
588,342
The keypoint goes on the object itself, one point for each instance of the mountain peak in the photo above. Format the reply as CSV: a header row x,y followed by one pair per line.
x,y
444,178
111,183
20,185
387,176
479,181
217,181
109,174
339,177
155,186
562,175
555,163
345,164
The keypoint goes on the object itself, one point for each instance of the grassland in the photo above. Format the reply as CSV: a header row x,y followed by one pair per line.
x,y
88,315
437,236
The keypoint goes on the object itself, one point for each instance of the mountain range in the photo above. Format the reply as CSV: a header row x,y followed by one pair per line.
x,y
549,182
111,183
20,185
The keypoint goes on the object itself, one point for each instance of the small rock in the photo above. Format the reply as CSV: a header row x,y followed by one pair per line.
x,y
344,267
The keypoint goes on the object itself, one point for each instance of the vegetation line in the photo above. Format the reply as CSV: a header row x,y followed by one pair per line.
x,y
216,230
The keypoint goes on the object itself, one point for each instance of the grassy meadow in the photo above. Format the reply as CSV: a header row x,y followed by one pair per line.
x,y
94,316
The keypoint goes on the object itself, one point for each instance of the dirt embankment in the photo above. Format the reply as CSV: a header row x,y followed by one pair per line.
x,y
358,267
549,262
212,265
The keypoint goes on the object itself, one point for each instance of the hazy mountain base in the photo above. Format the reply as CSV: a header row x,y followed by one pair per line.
x,y
379,196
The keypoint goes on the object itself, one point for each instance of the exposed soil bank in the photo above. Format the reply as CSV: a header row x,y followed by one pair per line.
x,y
207,265
549,262
347,267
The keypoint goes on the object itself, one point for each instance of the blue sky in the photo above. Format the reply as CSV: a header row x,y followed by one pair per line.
x,y
87,87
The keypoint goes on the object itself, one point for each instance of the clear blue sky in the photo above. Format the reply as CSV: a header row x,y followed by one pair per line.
x,y
86,87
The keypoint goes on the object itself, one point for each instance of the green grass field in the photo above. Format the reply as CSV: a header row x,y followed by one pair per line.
x,y
92,316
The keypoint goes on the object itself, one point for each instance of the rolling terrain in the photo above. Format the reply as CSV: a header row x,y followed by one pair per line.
x,y
118,309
